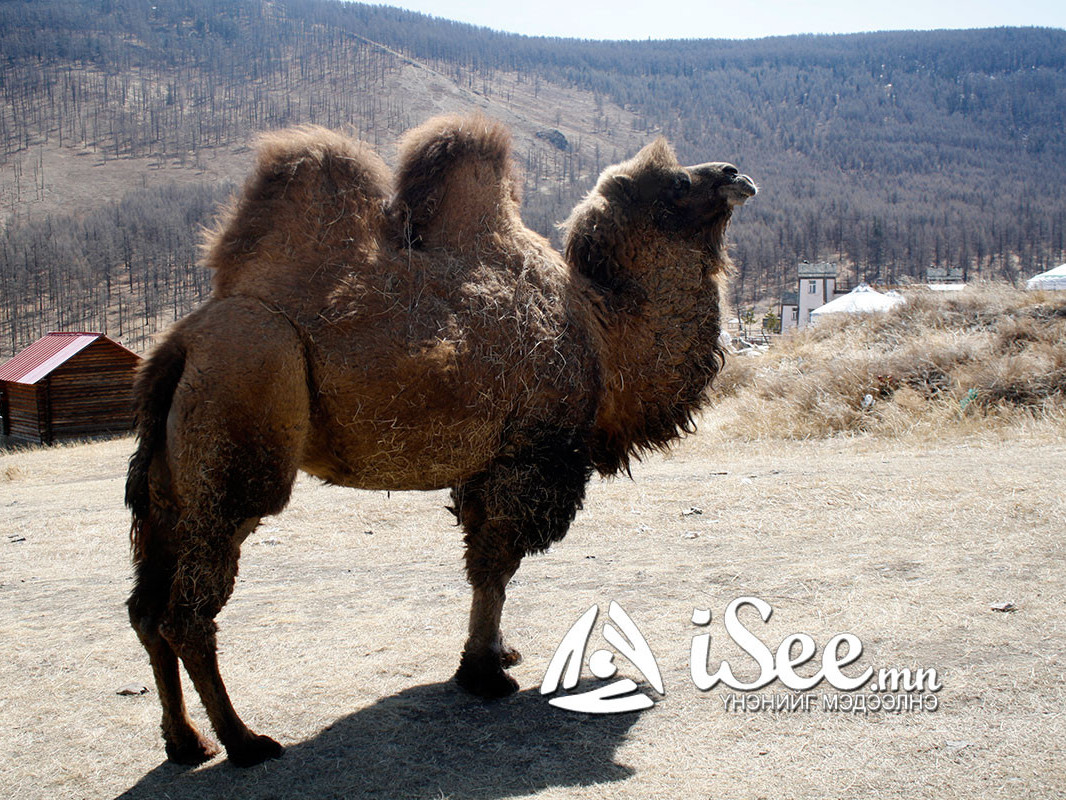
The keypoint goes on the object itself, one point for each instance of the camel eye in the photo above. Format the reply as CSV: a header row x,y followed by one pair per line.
x,y
682,183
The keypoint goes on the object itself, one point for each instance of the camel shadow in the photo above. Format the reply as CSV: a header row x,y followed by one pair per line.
x,y
428,741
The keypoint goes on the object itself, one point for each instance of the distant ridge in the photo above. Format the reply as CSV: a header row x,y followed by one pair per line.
x,y
885,152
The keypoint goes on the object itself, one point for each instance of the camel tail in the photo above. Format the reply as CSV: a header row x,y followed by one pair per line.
x,y
153,390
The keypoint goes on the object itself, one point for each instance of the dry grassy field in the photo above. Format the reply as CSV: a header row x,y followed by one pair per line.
x,y
988,355
350,610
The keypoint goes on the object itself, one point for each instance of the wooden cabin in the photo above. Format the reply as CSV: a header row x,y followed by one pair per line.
x,y
67,386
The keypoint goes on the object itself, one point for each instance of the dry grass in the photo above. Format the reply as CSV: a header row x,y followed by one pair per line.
x,y
341,643
988,356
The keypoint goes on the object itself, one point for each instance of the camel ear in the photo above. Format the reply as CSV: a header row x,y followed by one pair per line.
x,y
650,185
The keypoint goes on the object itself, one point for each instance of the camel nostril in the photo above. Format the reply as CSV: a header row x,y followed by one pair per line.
x,y
730,170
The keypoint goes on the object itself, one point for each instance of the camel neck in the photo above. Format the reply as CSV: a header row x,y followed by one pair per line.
x,y
660,352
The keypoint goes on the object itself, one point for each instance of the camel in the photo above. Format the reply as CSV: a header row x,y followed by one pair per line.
x,y
410,333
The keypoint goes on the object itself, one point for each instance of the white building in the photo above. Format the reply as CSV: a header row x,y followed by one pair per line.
x,y
817,286
1053,279
860,300
789,313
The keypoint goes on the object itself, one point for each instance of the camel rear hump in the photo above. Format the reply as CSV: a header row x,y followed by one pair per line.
x,y
455,182
314,196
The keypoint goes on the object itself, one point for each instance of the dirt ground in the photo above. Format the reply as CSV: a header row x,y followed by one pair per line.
x,y
345,629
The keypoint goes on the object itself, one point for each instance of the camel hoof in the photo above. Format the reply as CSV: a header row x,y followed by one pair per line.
x,y
484,676
254,751
192,751
510,657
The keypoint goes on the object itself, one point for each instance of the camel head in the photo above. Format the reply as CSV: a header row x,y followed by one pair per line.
x,y
680,199
650,203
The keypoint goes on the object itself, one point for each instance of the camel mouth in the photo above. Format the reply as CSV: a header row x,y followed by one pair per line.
x,y
742,188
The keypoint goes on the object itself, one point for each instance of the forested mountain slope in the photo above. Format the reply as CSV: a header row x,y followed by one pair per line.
x,y
123,122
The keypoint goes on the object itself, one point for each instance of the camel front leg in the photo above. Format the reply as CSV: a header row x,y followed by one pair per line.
x,y
520,505
491,560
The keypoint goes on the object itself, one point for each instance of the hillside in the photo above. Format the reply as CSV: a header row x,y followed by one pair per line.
x,y
124,122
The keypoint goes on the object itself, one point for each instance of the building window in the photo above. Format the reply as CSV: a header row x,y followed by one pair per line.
x,y
795,314
812,287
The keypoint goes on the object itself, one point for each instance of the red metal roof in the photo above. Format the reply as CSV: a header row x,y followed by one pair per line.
x,y
44,355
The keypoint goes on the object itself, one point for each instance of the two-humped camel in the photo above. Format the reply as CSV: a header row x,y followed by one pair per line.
x,y
412,333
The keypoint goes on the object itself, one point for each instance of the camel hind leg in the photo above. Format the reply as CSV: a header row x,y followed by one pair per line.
x,y
148,601
159,621
203,582
235,432
153,541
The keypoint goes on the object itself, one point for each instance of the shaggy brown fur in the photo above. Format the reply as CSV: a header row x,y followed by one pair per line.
x,y
413,339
